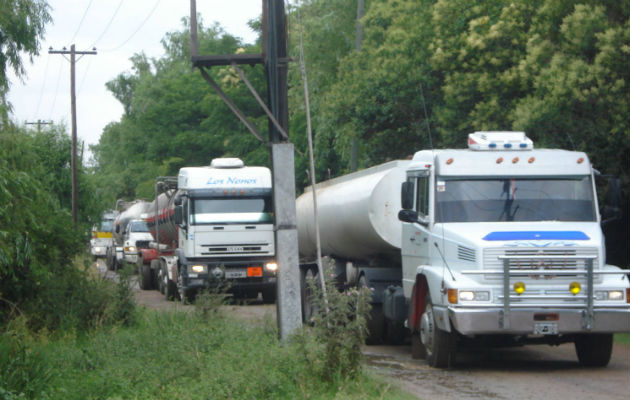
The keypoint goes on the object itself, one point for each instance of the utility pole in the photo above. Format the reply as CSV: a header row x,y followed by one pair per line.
x,y
354,150
73,108
274,58
39,124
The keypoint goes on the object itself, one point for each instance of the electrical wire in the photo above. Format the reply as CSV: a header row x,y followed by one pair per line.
x,y
87,67
81,22
52,108
41,92
108,24
137,30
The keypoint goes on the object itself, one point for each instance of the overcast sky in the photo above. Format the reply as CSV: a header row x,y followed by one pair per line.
x,y
134,26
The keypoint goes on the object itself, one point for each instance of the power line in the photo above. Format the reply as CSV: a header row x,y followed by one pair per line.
x,y
52,108
137,30
108,24
41,92
81,22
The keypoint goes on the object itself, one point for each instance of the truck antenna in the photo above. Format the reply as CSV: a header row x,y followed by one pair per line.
x,y
444,259
426,117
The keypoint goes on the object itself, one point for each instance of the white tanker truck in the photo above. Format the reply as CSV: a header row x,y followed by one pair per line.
x,y
115,249
214,224
498,243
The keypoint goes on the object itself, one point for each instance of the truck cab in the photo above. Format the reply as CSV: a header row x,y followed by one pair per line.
x,y
102,235
502,241
136,237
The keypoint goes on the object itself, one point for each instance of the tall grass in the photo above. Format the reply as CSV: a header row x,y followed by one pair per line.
x,y
174,355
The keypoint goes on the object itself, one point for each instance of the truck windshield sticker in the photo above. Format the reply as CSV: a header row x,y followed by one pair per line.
x,y
536,235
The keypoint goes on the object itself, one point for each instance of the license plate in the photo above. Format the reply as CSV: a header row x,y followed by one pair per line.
x,y
236,274
546,328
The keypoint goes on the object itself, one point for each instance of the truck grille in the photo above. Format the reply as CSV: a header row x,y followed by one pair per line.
x,y
519,259
142,244
235,249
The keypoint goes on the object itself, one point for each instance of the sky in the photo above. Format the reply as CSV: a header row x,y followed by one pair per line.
x,y
118,29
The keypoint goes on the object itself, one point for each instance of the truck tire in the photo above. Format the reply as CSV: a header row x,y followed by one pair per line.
x,y
161,283
376,319
594,350
109,260
170,287
418,350
310,307
145,280
440,346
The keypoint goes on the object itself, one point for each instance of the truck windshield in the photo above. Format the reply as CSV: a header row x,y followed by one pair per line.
x,y
138,226
514,199
232,210
106,226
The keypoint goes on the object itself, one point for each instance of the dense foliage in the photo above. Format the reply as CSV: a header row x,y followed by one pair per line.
x,y
428,72
38,243
22,24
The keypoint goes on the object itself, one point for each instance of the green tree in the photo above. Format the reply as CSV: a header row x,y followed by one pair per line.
x,y
22,24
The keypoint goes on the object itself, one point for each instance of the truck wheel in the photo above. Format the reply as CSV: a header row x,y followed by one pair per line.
x,y
108,260
309,306
145,281
439,345
161,283
170,288
269,296
376,319
594,350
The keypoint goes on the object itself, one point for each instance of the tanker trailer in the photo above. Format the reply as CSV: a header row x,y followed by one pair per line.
x,y
114,252
214,225
360,235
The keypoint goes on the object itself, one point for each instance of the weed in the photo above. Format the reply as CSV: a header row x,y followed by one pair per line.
x,y
339,329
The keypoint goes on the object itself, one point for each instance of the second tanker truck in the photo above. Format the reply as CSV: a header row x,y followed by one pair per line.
x,y
214,224
498,242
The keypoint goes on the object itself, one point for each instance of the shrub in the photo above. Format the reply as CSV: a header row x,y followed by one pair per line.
x,y
332,345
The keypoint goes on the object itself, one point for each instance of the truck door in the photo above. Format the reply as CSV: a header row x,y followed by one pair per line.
x,y
415,236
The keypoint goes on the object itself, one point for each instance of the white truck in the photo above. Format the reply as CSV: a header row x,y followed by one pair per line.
x,y
498,243
116,250
215,224
102,234
135,238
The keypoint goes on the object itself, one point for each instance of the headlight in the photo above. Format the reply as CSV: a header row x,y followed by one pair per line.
x,y
130,249
609,295
470,295
198,268
271,266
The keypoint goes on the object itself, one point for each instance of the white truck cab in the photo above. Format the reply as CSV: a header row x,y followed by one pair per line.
x,y
502,240
136,237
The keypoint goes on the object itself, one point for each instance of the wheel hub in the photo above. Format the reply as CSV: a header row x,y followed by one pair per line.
x,y
427,330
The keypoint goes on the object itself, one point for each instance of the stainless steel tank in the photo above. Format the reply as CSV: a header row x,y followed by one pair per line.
x,y
358,214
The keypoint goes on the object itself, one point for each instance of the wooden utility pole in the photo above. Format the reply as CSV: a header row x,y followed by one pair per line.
x,y
39,124
274,58
73,108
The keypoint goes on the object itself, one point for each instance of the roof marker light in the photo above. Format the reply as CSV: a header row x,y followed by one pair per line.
x,y
522,145
499,160
531,159
507,145
514,160
580,160
449,161
492,145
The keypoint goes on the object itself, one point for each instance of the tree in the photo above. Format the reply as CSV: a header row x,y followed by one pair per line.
x,y
22,24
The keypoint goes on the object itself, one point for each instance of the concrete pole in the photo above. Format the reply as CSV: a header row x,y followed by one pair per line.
x,y
73,159
288,305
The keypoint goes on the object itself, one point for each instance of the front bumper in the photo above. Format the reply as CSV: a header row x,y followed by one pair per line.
x,y
522,321
98,251
130,258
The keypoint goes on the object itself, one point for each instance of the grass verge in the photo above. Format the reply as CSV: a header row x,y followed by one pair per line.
x,y
168,355
622,338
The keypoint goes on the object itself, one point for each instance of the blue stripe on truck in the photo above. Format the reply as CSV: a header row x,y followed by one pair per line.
x,y
536,235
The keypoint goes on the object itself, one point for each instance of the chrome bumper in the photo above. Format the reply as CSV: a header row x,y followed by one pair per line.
x,y
522,321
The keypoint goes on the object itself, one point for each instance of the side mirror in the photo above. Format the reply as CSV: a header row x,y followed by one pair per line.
x,y
179,217
406,196
410,216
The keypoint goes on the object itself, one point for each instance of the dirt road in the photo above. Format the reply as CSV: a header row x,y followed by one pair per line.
x,y
528,372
